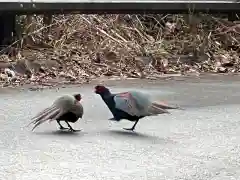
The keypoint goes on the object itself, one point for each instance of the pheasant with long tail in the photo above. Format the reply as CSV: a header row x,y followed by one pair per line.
x,y
131,105
66,108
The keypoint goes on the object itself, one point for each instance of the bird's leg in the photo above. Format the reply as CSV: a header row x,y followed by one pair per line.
x,y
61,127
133,127
70,127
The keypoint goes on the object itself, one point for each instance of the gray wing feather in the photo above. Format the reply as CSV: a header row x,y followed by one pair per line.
x,y
65,104
134,103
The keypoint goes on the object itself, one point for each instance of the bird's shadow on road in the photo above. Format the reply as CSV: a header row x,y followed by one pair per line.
x,y
138,136
61,133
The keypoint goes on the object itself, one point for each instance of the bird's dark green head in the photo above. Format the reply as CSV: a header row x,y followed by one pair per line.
x,y
100,89
78,97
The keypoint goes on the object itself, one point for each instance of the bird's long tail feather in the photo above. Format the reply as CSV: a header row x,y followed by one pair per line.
x,y
165,106
50,116
45,115
155,110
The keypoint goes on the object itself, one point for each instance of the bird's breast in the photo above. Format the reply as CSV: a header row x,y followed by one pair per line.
x,y
77,109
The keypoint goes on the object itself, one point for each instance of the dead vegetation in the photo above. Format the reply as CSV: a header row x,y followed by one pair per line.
x,y
78,48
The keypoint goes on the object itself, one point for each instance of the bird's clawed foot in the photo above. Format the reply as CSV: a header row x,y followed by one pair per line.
x,y
62,128
71,129
129,129
74,130
133,127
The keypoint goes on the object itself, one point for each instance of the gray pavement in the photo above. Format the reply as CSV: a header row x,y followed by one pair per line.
x,y
199,143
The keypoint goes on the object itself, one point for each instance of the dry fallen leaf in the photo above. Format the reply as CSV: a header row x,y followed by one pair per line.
x,y
179,44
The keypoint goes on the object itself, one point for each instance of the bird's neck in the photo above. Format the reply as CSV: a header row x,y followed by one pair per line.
x,y
108,99
106,94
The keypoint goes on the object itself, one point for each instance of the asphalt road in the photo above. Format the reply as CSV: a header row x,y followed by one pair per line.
x,y
199,143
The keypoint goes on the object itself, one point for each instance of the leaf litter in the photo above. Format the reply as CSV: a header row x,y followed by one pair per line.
x,y
80,48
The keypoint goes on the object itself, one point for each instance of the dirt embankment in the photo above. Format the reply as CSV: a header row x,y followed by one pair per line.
x,y
80,48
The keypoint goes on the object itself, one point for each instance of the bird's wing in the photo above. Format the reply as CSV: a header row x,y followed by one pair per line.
x,y
64,104
133,103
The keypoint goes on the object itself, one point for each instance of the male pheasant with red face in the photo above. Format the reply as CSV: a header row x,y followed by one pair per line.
x,y
131,105
66,108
